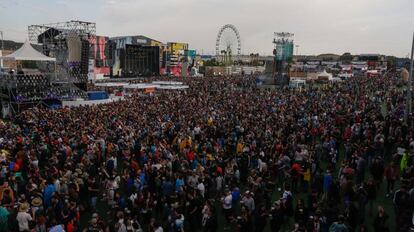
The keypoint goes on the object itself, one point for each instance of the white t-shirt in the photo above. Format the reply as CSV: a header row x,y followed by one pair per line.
x,y
159,229
201,188
23,220
227,203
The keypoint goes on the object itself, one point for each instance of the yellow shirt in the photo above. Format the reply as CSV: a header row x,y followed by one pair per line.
x,y
240,147
210,121
306,175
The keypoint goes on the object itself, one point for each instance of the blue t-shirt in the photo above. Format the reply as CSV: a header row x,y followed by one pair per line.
x,y
47,196
179,183
327,181
167,188
235,196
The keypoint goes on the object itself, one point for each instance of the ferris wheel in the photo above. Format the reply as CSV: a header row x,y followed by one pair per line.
x,y
228,40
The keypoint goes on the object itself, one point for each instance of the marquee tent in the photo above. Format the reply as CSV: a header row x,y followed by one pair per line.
x,y
27,52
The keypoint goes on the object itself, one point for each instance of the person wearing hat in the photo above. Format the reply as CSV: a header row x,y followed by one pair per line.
x,y
23,218
37,202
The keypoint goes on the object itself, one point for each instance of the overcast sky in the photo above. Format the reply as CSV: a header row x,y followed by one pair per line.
x,y
320,26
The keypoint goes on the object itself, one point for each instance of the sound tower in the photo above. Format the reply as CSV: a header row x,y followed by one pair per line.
x,y
84,57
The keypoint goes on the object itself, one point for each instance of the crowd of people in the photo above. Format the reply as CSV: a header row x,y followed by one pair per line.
x,y
222,155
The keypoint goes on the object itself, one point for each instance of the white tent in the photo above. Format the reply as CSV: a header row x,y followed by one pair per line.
x,y
324,74
27,52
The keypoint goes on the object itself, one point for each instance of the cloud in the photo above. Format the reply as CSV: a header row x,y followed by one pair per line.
x,y
320,26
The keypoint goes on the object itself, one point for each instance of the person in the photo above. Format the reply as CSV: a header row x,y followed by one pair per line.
x,y
194,209
158,228
4,214
93,189
222,134
278,217
380,221
210,224
248,201
339,226
391,175
179,223
93,226
261,216
227,206
23,218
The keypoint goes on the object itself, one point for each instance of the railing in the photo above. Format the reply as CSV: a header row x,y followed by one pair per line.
x,y
35,87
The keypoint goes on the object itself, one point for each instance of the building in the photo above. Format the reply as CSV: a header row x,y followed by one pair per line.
x,y
374,61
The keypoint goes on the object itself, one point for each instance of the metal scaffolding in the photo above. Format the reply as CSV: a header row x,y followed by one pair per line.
x,y
54,36
283,52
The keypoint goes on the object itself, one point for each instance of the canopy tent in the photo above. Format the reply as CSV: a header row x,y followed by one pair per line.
x,y
27,52
325,75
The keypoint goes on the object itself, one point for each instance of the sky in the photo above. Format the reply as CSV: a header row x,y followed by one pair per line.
x,y
320,26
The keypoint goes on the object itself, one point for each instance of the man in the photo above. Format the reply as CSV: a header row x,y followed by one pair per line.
x,y
93,189
248,201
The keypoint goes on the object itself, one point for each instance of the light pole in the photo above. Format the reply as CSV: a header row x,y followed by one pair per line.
x,y
2,49
410,78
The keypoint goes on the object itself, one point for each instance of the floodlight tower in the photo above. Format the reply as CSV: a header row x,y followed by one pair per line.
x,y
283,53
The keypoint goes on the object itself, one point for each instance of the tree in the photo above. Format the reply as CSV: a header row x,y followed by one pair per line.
x,y
391,62
346,57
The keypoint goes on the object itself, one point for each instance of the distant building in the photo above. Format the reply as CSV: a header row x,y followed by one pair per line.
x,y
374,61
